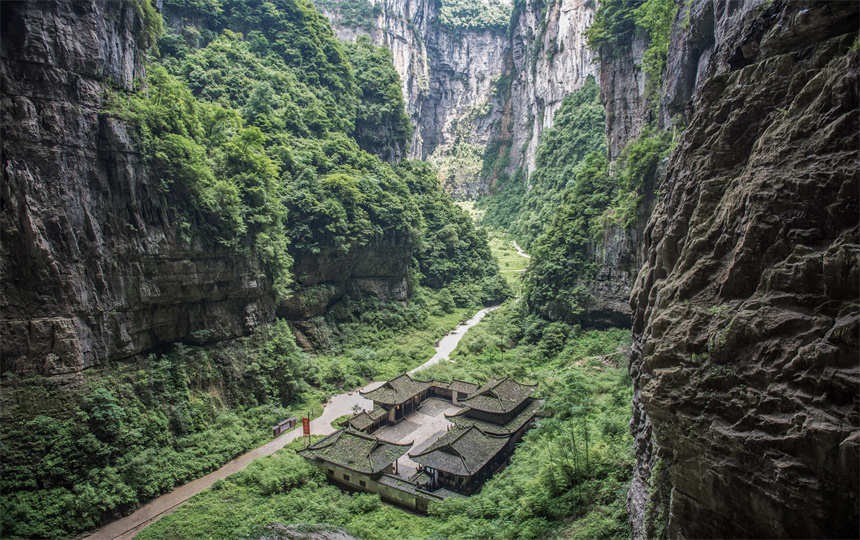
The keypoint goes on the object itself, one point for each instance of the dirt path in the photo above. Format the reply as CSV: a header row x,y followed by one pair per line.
x,y
520,251
336,407
448,343
127,527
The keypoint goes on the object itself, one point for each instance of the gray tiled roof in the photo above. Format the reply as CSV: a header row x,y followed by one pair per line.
x,y
356,451
463,386
461,451
363,420
443,493
405,485
462,420
397,390
360,421
499,396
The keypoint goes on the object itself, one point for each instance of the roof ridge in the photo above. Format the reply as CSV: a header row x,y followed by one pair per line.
x,y
318,445
461,412
463,432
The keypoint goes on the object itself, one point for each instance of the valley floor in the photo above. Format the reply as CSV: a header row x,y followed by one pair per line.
x,y
337,406
568,478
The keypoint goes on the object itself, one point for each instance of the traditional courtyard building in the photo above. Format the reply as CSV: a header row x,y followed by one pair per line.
x,y
368,422
484,434
354,459
498,401
399,396
454,390
462,460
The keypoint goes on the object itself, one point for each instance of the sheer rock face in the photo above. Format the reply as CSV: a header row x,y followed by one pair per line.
x,y
93,265
453,79
378,269
550,60
746,322
622,92
447,75
609,306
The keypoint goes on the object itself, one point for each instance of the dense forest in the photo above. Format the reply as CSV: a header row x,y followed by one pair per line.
x,y
242,148
574,200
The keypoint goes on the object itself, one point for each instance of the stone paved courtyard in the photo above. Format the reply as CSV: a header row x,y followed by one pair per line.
x,y
423,427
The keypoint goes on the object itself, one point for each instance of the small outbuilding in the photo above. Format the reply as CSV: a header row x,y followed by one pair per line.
x,y
354,459
399,396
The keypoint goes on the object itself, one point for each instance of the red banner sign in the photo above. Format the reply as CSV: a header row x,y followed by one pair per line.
x,y
306,425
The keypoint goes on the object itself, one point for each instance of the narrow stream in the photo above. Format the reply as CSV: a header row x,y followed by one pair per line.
x,y
337,406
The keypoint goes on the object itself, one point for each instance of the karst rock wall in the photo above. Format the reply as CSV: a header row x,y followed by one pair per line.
x,y
479,85
550,60
745,355
93,265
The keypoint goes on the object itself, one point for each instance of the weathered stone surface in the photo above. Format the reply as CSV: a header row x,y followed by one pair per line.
x,y
622,92
550,60
377,269
449,77
746,319
93,266
610,289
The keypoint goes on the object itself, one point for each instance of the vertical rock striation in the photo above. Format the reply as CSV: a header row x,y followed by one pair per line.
x,y
474,86
550,60
746,318
92,265
622,92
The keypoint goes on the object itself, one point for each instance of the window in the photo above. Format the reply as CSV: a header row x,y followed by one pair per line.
x,y
362,483
346,477
331,472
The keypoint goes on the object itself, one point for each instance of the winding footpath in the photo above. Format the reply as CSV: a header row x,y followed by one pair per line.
x,y
336,407
448,343
520,251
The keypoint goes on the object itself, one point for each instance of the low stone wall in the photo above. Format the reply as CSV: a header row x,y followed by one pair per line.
x,y
394,489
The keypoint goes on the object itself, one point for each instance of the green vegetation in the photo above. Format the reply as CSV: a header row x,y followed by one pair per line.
x,y
616,22
568,478
248,127
655,17
254,144
280,65
577,131
593,205
475,15
613,27
573,202
381,121
352,13
75,457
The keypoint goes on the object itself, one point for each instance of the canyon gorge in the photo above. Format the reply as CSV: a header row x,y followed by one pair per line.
x,y
686,171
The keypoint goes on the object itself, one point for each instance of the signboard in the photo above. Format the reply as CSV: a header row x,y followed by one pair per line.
x,y
306,424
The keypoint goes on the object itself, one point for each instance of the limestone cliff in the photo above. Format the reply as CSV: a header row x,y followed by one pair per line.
x,y
467,87
550,60
746,312
93,267
622,91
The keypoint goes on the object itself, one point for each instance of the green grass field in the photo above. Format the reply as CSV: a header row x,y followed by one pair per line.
x,y
511,264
